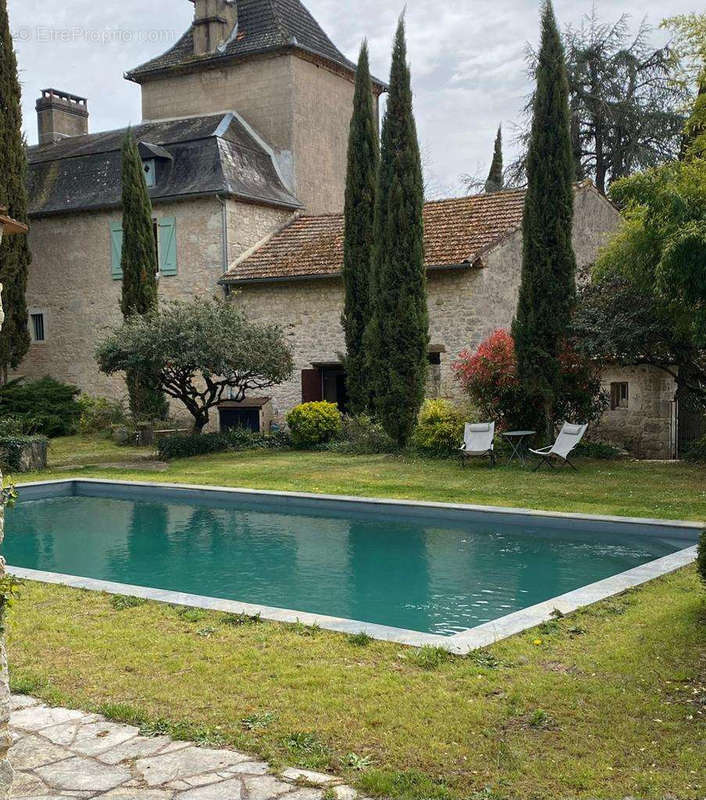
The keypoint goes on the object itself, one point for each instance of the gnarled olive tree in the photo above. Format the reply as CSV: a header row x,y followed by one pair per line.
x,y
199,350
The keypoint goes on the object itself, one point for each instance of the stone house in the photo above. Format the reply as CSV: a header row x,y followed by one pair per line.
x,y
473,253
243,139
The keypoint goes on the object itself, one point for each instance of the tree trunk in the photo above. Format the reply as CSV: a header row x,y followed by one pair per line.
x,y
549,420
200,421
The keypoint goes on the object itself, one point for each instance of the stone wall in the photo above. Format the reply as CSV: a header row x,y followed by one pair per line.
x,y
70,280
261,89
323,104
646,427
300,108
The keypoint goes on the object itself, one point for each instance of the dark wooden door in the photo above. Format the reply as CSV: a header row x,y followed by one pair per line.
x,y
312,387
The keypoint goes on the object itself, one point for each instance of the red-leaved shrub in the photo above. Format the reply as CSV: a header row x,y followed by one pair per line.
x,y
489,376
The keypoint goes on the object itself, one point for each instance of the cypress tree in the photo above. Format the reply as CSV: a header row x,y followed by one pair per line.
x,y
495,181
139,267
363,157
15,256
397,336
548,282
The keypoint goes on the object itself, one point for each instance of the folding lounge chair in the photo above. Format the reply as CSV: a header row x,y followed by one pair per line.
x,y
566,441
478,440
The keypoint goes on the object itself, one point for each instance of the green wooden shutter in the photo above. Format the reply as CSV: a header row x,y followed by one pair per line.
x,y
167,246
116,250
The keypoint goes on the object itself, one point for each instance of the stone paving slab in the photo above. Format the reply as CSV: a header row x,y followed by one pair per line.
x,y
59,753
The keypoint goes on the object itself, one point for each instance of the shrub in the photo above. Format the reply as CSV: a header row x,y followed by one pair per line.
x,y
11,426
244,439
598,450
312,424
362,435
99,414
697,452
439,430
186,446
489,376
46,406
179,446
18,455
701,557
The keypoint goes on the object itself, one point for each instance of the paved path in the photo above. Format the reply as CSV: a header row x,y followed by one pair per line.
x,y
59,753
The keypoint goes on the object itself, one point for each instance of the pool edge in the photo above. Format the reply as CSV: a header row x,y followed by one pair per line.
x,y
461,643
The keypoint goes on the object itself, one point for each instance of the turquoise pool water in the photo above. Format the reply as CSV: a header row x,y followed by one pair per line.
x,y
432,574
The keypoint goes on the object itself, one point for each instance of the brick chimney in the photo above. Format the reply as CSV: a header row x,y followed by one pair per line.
x,y
60,115
214,23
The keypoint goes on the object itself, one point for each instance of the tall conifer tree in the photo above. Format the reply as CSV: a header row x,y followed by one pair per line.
x,y
15,255
548,283
363,157
397,336
139,268
495,181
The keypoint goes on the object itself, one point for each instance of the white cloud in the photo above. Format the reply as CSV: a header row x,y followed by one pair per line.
x,y
467,59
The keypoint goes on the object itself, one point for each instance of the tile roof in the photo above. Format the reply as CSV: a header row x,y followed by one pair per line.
x,y
263,25
210,154
456,232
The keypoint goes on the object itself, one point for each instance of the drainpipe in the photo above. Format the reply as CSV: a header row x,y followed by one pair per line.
x,y
224,234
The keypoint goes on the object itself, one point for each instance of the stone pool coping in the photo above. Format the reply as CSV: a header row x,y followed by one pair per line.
x,y
461,643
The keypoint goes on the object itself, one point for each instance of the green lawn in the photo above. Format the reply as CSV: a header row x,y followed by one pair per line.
x,y
606,703
666,490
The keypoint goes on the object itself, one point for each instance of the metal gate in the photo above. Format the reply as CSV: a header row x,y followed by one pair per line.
x,y
691,422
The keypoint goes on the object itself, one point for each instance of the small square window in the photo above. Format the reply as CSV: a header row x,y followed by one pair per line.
x,y
619,395
37,327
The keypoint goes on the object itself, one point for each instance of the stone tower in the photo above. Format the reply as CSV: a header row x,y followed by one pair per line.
x,y
270,61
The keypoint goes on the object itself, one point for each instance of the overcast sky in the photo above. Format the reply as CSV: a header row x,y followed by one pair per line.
x,y
467,59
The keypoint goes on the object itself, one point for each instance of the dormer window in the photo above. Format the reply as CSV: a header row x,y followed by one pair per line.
x,y
154,158
150,167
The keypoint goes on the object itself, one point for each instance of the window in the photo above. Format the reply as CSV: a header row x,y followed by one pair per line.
x,y
619,395
165,246
150,167
37,326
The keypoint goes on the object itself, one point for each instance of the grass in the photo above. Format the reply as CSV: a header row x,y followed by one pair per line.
x,y
81,451
609,702
627,488
604,703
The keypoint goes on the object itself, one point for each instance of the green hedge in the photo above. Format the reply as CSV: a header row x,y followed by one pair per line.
x,y
180,446
701,557
45,406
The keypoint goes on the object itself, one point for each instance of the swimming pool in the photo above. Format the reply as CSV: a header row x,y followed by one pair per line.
x,y
411,572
